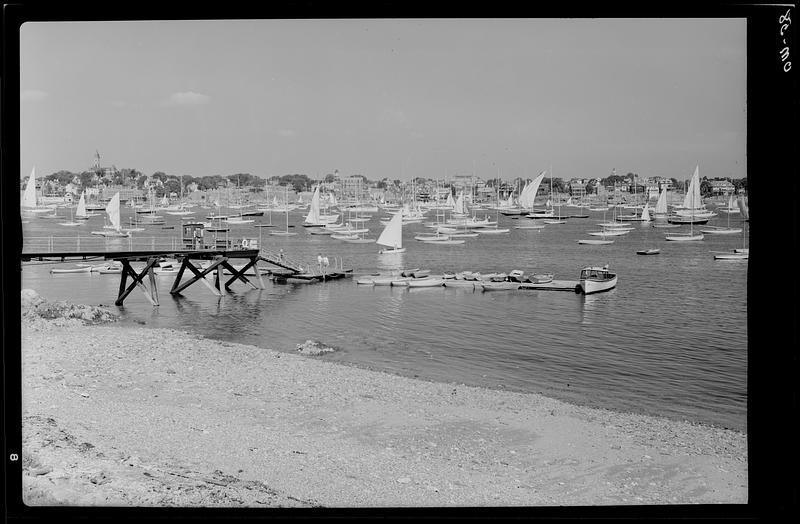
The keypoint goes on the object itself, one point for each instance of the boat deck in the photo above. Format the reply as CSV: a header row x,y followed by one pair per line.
x,y
555,285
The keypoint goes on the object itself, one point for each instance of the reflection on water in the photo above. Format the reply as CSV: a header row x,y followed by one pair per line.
x,y
392,262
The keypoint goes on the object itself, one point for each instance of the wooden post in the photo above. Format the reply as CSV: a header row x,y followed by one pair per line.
x,y
153,286
137,280
198,276
258,271
219,283
239,274
178,277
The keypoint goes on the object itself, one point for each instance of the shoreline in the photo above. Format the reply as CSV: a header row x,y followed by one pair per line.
x,y
139,416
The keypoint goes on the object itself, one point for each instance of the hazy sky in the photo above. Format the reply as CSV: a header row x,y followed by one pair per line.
x,y
387,98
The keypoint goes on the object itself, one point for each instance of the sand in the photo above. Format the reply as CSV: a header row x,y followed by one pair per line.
x,y
119,415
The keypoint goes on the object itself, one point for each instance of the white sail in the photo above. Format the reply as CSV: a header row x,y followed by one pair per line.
x,y
661,203
313,210
459,207
646,212
510,201
523,195
333,199
450,202
112,210
29,197
529,193
80,211
692,199
392,235
165,200
744,209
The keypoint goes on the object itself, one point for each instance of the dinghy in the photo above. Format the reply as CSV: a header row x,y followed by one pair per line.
x,y
392,236
85,269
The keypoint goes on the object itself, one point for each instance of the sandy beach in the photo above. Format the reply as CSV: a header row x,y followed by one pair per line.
x,y
119,415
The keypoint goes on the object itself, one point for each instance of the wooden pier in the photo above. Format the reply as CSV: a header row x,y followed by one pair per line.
x,y
146,280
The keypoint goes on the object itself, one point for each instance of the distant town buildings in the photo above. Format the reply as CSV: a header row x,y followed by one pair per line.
x,y
721,187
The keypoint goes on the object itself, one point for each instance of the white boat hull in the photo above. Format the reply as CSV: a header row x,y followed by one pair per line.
x,y
684,238
722,231
425,282
87,269
593,242
732,256
589,286
499,286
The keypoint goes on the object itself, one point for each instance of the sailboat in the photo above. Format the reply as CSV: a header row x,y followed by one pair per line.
x,y
392,236
692,211
80,211
651,250
660,212
527,197
112,210
744,252
732,208
554,220
285,233
493,229
547,213
71,221
689,203
715,230
604,233
30,202
313,218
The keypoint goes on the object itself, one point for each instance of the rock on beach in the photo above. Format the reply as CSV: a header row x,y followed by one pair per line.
x,y
125,415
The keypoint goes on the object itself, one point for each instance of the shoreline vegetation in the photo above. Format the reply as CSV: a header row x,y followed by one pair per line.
x,y
132,416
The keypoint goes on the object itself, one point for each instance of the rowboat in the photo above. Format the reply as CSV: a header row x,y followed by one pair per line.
x,y
425,282
651,251
444,242
732,256
593,242
85,269
499,286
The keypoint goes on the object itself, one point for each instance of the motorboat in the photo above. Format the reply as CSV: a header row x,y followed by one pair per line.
x,y
595,279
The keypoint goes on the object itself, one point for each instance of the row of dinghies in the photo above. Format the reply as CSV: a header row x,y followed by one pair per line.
x,y
593,279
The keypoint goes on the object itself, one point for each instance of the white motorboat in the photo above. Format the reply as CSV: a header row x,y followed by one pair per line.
x,y
595,279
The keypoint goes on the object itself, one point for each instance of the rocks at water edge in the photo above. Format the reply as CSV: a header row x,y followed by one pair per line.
x,y
34,306
314,348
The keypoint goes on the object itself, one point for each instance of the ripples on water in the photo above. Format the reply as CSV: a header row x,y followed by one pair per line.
x,y
670,339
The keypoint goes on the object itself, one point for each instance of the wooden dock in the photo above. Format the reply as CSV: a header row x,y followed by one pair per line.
x,y
219,264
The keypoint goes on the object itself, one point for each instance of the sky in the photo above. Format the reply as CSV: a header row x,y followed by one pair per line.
x,y
394,98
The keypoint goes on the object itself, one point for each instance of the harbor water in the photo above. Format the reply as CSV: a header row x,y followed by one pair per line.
x,y
669,340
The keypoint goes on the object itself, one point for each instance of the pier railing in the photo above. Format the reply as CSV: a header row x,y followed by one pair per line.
x,y
78,244
94,243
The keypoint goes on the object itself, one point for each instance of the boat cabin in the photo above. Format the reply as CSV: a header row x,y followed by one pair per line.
x,y
596,273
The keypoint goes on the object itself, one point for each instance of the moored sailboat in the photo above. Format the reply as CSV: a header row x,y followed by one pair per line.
x,y
112,210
